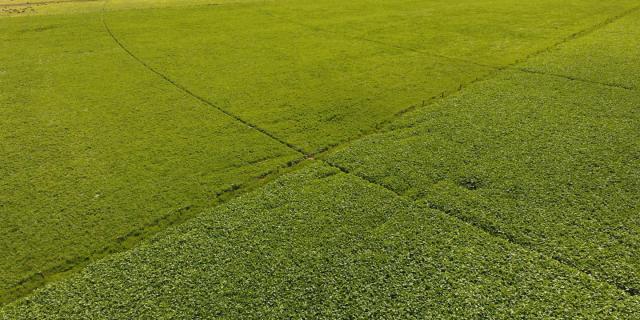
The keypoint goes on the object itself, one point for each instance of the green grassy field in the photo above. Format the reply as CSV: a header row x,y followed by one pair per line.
x,y
96,150
324,244
325,159
548,163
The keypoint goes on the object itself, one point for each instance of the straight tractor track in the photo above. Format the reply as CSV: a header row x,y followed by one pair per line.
x,y
39,279
495,71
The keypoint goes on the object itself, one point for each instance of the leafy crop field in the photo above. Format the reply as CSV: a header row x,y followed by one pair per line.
x,y
95,149
324,244
548,163
319,159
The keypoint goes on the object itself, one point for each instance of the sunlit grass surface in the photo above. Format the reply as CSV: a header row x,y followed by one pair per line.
x,y
498,142
550,163
95,147
322,244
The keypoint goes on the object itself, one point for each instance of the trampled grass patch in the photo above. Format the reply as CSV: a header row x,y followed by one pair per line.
x,y
611,55
549,163
94,148
322,244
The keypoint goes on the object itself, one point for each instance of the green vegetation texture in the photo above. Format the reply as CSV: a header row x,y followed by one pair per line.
x,y
610,56
488,155
317,73
321,244
546,162
95,148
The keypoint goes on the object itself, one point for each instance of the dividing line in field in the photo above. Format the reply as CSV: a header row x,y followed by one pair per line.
x,y
584,32
192,94
378,42
512,66
295,165
380,127
174,217
125,242
36,280
493,232
491,229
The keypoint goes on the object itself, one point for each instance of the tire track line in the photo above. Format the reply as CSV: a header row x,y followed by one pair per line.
x,y
294,165
194,95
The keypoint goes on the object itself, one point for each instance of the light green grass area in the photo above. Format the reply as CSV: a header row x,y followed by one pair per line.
x,y
495,32
550,163
519,189
320,244
94,148
611,55
316,89
311,89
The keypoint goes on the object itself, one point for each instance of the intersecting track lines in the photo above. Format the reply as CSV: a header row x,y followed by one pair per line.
x,y
491,231
379,128
627,290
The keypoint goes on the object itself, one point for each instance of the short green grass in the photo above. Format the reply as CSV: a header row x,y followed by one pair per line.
x,y
611,55
321,244
97,152
295,69
494,32
94,148
311,89
550,163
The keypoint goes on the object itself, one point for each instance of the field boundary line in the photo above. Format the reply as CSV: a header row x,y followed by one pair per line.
x,y
512,65
582,33
572,78
494,232
321,154
629,291
36,280
191,93
378,42
496,70
172,218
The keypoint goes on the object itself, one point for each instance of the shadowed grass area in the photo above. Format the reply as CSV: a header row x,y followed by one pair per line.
x,y
95,147
321,244
548,163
